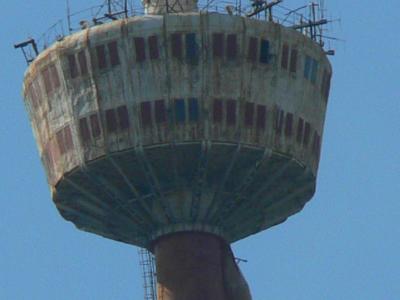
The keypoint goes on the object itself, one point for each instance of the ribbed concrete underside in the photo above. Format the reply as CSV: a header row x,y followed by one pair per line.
x,y
138,195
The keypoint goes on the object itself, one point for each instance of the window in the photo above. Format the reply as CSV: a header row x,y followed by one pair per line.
x,y
253,49
293,61
123,117
47,82
111,120
82,62
249,114
176,40
279,121
288,124
94,124
306,138
160,111
69,145
264,52
193,109
299,135
101,57
307,67
73,68
314,71
191,48
84,130
261,116
217,111
54,76
231,48
285,57
179,107
153,47
218,44
113,51
145,113
231,112
140,49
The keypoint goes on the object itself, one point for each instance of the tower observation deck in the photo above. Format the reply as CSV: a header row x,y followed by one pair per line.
x,y
181,132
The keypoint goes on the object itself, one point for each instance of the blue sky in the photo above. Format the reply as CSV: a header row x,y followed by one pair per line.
x,y
344,245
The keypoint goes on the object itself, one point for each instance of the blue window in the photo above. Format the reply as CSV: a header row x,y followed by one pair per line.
x,y
192,52
193,109
179,111
264,52
307,67
314,71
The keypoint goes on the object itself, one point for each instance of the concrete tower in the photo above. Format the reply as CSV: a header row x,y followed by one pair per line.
x,y
181,132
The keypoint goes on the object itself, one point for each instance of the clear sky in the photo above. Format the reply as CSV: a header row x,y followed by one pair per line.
x,y
345,244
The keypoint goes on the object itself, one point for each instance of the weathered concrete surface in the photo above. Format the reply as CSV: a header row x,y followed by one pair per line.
x,y
197,266
123,167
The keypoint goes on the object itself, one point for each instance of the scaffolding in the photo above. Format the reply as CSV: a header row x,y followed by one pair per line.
x,y
147,262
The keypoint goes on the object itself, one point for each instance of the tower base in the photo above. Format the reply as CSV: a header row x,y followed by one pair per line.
x,y
197,266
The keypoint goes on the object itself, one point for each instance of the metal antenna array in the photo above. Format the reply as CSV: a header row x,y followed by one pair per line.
x,y
146,260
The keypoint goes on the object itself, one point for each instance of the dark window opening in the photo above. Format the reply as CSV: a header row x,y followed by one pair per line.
x,y
94,124
307,67
101,56
192,54
140,49
299,135
47,82
179,110
261,116
231,112
314,71
123,117
279,121
84,130
73,68
218,45
293,61
193,109
217,111
113,50
160,112
82,62
306,138
264,52
111,120
285,57
249,114
145,112
176,40
153,47
231,48
288,124
253,49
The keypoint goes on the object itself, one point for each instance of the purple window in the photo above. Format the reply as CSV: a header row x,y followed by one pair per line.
x,y
101,56
84,130
300,126
307,130
176,41
160,111
82,62
217,111
111,120
123,117
113,51
68,138
253,49
73,68
249,114
145,112
231,112
218,44
94,124
153,47
231,48
293,61
285,57
140,49
288,124
261,116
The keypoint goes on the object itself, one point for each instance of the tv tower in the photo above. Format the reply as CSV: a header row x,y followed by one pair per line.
x,y
182,131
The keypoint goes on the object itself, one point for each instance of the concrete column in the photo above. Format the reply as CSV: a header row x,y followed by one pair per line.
x,y
197,266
